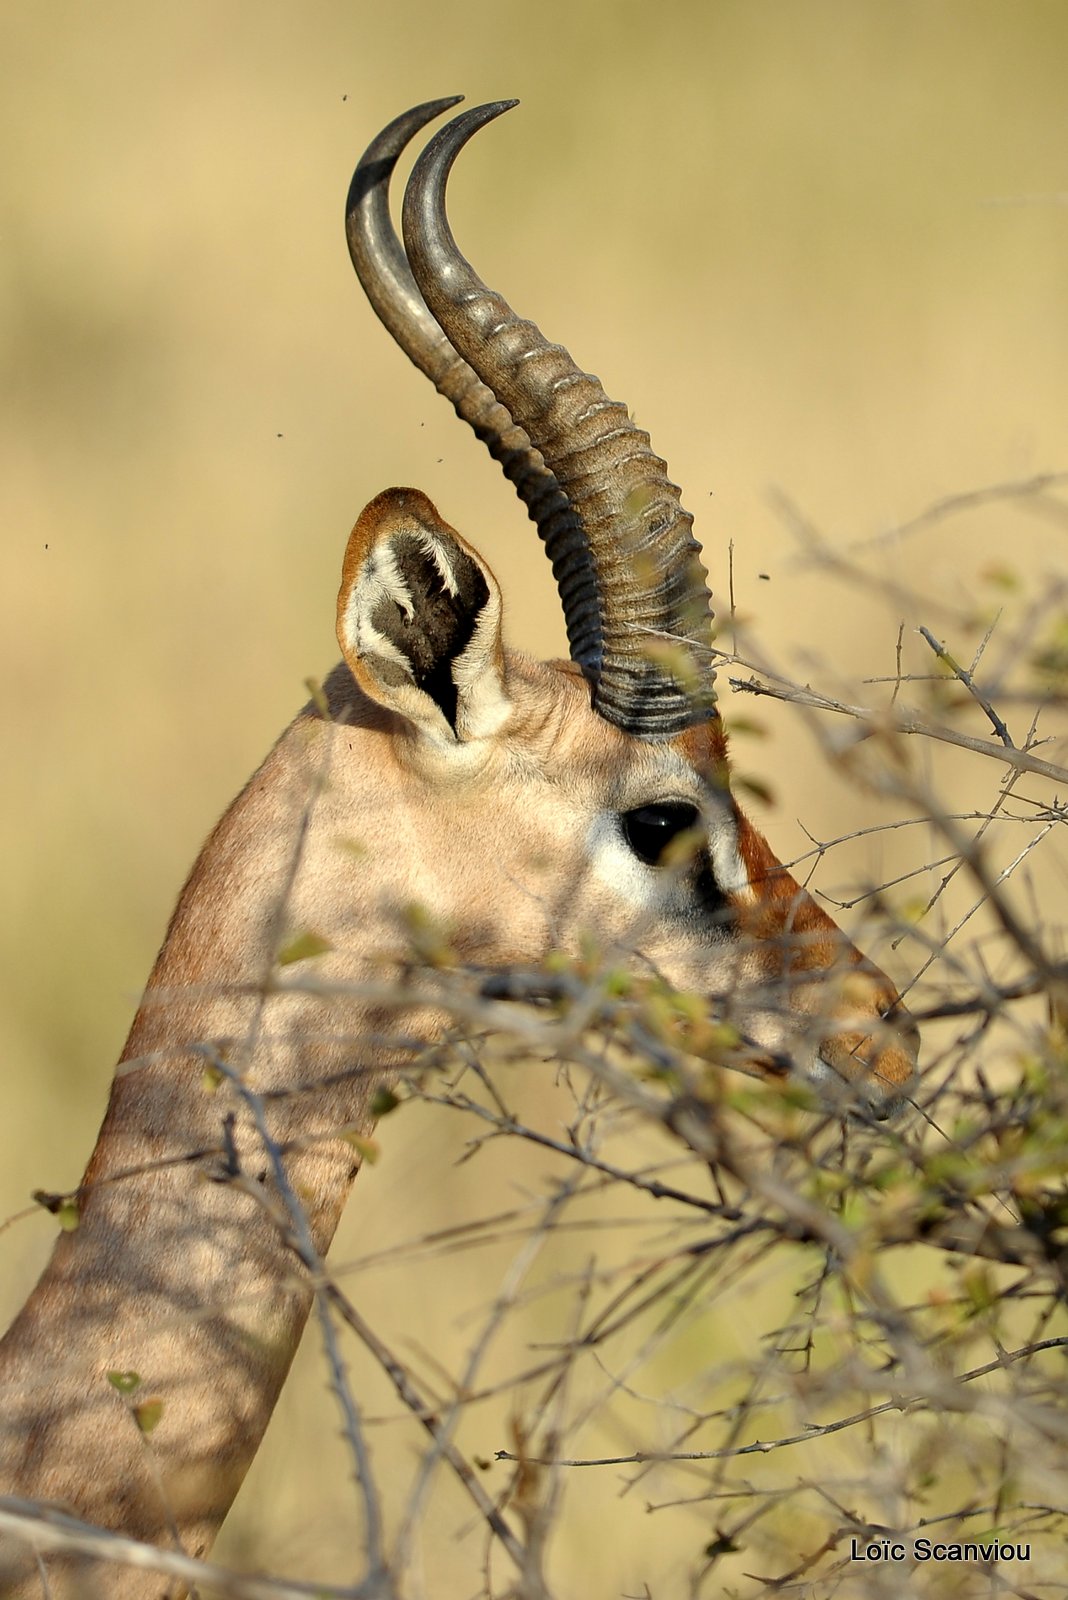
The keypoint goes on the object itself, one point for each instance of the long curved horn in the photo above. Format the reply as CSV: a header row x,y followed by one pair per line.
x,y
382,268
653,677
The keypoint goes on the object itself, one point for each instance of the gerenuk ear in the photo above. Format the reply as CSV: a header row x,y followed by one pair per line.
x,y
419,620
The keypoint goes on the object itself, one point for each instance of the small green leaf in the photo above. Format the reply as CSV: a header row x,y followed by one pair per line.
x,y
756,787
64,1207
125,1382
318,697
383,1101
676,663
303,947
428,937
746,725
147,1414
365,1147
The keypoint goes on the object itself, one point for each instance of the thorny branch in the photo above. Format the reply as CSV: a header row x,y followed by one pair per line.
x,y
794,1325
50,1529
902,719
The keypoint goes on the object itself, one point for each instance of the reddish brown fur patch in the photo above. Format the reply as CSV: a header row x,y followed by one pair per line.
x,y
805,940
783,907
705,748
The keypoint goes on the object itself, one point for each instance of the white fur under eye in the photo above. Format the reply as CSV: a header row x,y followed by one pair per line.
x,y
728,868
614,863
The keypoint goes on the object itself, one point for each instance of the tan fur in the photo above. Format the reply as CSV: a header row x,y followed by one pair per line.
x,y
177,1270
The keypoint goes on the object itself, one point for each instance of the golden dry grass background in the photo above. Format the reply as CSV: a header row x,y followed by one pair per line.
x,y
815,244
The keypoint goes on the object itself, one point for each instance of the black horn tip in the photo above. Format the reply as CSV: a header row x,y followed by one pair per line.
x,y
478,116
376,164
461,128
427,235
439,155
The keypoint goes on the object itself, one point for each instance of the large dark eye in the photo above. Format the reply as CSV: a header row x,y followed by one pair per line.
x,y
650,829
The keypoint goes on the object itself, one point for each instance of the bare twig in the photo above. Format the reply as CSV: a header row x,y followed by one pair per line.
x,y
902,720
46,1528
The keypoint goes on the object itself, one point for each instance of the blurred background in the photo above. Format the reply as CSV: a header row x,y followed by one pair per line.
x,y
820,247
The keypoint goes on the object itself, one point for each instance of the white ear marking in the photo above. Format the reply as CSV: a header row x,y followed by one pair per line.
x,y
439,555
383,579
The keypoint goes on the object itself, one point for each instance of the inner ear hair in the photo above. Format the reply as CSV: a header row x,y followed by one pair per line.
x,y
419,620
430,613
